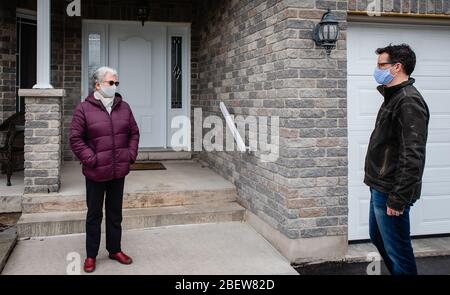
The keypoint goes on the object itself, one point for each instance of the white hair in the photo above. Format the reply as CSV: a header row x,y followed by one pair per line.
x,y
100,73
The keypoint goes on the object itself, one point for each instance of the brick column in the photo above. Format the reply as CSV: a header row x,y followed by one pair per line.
x,y
43,142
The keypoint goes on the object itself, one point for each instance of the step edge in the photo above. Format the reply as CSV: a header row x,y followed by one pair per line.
x,y
58,196
27,218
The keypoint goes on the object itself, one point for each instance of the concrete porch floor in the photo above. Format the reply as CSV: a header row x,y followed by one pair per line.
x,y
229,248
180,183
180,175
11,196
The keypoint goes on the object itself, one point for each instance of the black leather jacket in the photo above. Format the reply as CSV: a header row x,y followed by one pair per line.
x,y
395,157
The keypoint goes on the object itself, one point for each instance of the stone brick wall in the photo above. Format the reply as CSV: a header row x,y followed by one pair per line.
x,y
258,57
404,6
7,59
43,148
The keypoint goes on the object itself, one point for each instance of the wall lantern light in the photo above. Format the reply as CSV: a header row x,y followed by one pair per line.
x,y
143,12
326,32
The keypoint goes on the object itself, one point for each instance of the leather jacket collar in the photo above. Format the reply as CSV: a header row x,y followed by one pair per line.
x,y
388,92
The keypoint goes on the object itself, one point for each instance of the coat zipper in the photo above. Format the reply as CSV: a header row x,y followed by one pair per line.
x,y
113,140
114,146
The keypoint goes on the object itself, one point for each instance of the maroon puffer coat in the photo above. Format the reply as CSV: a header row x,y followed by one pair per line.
x,y
105,144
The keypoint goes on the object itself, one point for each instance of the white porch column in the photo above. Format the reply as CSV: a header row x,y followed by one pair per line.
x,y
43,45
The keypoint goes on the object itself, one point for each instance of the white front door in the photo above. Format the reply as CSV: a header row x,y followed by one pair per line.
x,y
145,58
139,55
431,214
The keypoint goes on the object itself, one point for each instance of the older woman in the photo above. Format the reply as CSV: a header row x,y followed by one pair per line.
x,y
104,136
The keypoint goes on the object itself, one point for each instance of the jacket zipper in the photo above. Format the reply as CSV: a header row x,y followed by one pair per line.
x,y
114,146
113,141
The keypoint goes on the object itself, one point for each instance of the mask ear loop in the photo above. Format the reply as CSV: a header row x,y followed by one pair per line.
x,y
395,72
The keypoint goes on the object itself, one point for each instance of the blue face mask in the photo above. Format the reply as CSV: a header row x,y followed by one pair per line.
x,y
383,77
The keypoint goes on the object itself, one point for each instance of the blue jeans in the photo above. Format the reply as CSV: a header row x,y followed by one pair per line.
x,y
391,236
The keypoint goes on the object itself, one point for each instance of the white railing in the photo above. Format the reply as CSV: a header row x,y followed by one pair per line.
x,y
230,123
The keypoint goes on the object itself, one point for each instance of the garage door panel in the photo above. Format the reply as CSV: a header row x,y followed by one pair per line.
x,y
437,165
427,219
359,219
438,156
366,38
357,149
436,208
436,91
364,109
435,176
431,214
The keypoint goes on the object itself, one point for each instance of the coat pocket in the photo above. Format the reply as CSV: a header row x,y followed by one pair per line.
x,y
384,162
91,162
130,159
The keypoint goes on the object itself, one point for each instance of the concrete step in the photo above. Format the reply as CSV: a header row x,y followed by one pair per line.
x,y
11,196
161,155
63,223
44,203
10,204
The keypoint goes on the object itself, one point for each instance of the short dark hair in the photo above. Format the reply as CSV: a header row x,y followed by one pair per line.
x,y
402,54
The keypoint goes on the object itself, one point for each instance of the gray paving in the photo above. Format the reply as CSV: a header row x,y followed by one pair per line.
x,y
8,239
424,247
439,265
218,249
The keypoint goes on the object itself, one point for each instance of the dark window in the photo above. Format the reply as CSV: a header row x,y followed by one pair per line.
x,y
176,82
25,58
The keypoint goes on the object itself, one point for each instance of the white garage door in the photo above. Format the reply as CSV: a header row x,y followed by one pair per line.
x,y
431,214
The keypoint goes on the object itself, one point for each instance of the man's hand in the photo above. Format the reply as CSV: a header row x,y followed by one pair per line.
x,y
392,212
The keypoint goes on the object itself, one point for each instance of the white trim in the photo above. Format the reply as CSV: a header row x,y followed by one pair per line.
x,y
230,123
116,22
411,20
43,45
166,113
183,30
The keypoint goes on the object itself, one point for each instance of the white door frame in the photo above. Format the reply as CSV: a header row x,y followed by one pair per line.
x,y
182,29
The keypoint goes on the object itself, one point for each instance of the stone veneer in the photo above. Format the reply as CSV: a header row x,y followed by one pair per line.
x,y
7,59
43,143
258,57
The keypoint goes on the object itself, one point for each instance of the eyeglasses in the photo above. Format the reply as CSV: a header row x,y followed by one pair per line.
x,y
380,64
111,83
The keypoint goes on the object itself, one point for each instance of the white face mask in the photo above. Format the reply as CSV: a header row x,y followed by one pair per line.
x,y
108,91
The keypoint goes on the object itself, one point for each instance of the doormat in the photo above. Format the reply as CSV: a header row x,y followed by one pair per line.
x,y
148,166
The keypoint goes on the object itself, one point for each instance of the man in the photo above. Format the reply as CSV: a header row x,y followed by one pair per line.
x,y
395,158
